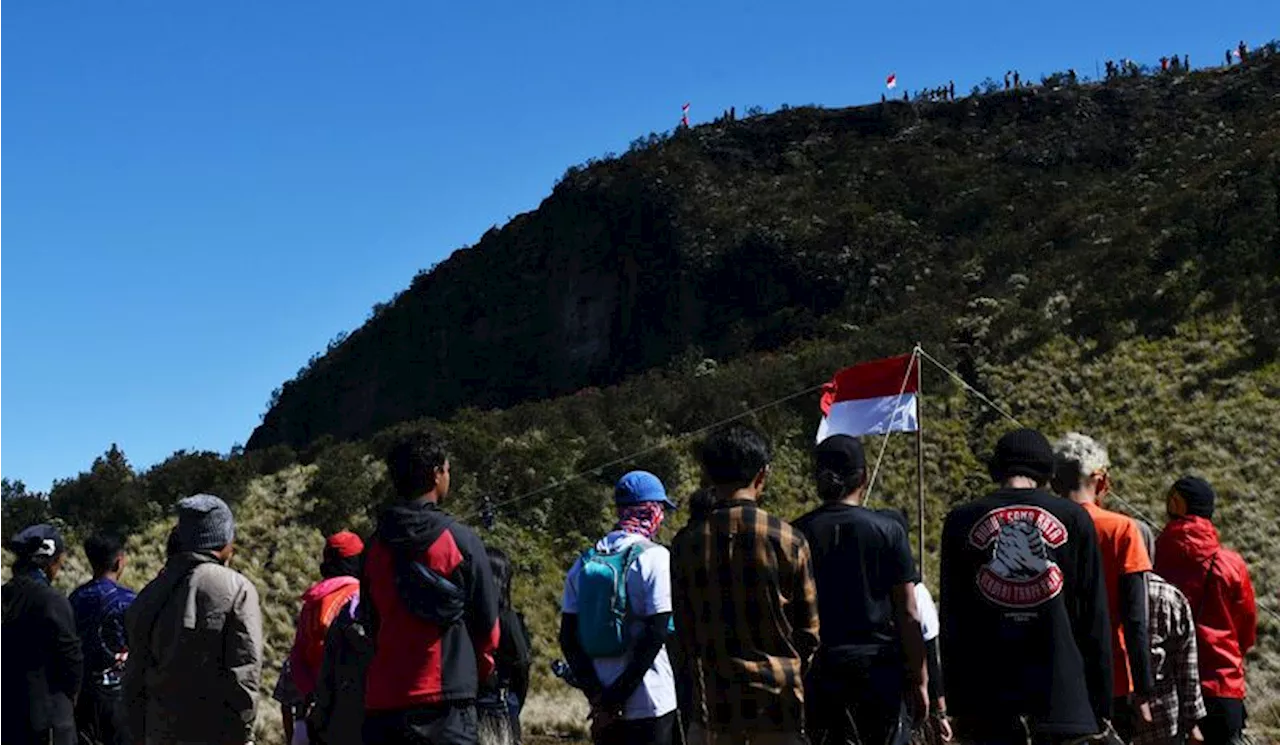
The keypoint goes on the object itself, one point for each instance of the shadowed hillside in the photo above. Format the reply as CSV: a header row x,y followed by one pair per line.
x,y
1113,210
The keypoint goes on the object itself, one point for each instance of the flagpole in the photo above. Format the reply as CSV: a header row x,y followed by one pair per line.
x,y
919,457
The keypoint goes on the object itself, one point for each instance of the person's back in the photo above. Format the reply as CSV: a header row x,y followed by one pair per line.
x,y
99,607
509,685
337,714
1025,629
195,639
1215,581
865,576
746,608
429,656
43,660
622,662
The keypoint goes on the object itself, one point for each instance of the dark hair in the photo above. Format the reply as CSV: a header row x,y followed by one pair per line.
x,y
334,565
412,463
734,455
173,544
501,566
102,550
700,504
834,486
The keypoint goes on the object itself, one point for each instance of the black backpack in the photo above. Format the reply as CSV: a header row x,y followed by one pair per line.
x,y
428,594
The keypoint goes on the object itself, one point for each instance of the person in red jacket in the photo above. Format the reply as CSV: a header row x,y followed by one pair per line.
x,y
321,603
428,598
1216,582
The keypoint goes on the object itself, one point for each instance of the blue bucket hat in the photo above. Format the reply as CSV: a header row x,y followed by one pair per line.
x,y
638,487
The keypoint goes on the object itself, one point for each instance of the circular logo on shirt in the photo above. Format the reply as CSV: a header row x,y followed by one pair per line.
x,y
1021,572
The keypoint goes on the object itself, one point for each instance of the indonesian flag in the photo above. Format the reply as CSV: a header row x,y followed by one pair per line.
x,y
891,82
684,114
871,398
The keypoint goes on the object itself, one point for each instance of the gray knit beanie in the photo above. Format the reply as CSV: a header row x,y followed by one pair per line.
x,y
204,523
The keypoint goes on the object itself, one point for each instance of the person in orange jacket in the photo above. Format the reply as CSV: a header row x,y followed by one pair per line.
x,y
1216,582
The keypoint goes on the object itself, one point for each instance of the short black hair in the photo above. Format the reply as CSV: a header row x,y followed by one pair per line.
x,y
412,463
734,455
500,564
102,550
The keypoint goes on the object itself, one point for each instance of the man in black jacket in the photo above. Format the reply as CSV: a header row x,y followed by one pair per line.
x,y
1025,629
42,672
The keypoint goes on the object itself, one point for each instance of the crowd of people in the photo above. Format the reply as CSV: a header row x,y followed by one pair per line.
x,y
1060,620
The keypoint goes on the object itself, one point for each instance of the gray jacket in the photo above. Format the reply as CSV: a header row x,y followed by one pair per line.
x,y
195,654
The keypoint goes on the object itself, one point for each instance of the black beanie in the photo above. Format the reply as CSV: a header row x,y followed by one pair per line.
x,y
1198,495
1022,452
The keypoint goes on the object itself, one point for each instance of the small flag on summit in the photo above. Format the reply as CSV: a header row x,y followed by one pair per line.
x,y
891,82
871,398
684,114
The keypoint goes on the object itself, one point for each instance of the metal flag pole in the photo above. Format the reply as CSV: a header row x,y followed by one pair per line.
x,y
915,358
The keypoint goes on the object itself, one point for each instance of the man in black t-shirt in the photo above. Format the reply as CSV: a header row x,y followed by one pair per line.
x,y
858,689
1026,644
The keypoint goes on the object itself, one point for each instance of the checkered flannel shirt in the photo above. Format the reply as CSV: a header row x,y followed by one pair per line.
x,y
1177,703
746,614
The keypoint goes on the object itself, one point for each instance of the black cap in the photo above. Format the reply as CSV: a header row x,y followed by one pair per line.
x,y
842,455
1023,452
37,541
1197,494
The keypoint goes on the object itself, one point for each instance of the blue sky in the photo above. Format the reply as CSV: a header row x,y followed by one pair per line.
x,y
200,195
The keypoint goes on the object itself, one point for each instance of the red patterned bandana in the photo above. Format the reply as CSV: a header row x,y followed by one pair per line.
x,y
642,519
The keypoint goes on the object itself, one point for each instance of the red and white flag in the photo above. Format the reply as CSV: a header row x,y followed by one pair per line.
x,y
891,82
871,398
684,115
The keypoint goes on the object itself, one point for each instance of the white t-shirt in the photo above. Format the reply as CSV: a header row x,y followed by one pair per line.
x,y
928,612
648,594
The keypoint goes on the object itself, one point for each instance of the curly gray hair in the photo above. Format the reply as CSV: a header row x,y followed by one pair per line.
x,y
1087,453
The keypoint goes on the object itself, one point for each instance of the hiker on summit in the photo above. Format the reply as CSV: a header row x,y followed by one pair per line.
x,y
428,598
869,673
745,603
1026,651
100,605
195,639
1216,582
616,620
1176,704
321,604
1082,474
42,673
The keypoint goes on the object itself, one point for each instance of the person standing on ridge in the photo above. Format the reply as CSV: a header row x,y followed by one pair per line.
x,y
745,604
1216,582
1026,652
100,606
621,661
1082,475
321,603
1177,704
195,639
870,668
42,673
428,598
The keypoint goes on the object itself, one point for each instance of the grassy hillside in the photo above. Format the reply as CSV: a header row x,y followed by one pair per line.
x,y
1124,208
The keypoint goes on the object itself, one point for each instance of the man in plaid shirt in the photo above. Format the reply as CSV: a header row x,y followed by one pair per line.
x,y
1177,704
745,605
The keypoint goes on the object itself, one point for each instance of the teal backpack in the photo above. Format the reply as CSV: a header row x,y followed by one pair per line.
x,y
603,608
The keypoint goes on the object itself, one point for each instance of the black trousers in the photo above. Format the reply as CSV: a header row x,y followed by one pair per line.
x,y
1124,717
856,699
446,724
1224,722
100,715
656,731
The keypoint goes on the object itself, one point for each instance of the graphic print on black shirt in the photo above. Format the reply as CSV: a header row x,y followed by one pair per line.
x,y
1021,573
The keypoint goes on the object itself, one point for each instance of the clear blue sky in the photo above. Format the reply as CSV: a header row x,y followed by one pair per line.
x,y
201,194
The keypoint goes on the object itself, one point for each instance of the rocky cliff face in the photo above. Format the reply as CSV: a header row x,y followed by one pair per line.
x,y
1133,200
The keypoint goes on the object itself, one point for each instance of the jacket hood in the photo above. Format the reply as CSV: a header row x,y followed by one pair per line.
x,y
1195,536
327,586
412,525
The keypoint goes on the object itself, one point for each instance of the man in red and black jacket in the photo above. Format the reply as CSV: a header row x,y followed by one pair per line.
x,y
1216,582
429,661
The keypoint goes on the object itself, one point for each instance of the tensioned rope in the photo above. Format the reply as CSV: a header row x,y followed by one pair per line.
x,y
884,441
666,443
